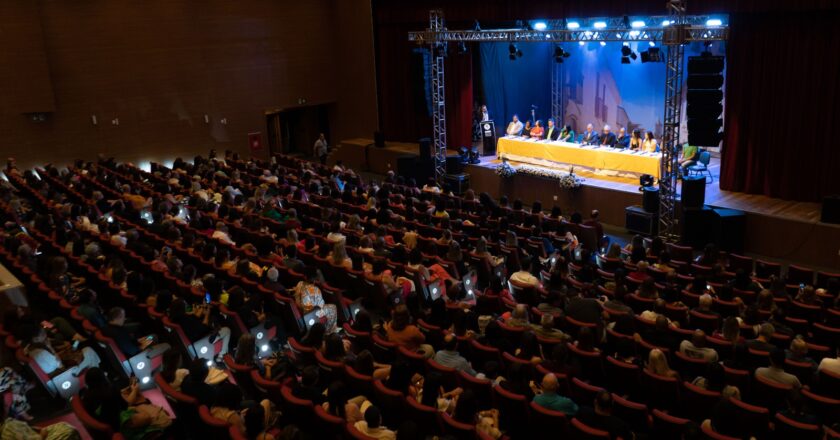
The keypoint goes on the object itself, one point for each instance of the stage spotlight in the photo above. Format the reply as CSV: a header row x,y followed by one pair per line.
x,y
462,47
714,22
603,43
572,25
652,44
599,24
581,43
625,44
637,24
519,53
625,50
666,23
634,33
512,51
512,57
633,56
625,60
540,26
474,159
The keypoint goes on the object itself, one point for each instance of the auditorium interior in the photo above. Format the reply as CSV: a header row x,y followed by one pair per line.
x,y
419,219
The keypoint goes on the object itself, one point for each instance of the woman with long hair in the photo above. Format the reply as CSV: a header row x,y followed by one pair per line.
x,y
339,256
658,364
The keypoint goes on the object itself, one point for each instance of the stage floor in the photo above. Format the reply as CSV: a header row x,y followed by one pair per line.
x,y
768,206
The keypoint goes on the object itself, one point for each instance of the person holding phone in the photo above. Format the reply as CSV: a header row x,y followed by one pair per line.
x,y
52,359
128,342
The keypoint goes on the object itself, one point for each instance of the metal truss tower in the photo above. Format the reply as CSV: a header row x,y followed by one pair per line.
x,y
557,94
669,167
437,51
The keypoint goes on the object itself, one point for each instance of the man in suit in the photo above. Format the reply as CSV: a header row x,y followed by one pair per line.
x,y
551,132
607,137
515,127
589,137
622,141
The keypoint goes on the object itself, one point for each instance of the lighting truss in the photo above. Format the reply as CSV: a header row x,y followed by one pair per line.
x,y
672,31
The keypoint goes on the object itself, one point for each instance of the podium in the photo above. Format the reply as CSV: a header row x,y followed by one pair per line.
x,y
488,138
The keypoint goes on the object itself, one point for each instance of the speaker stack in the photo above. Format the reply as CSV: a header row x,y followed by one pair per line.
x,y
705,100
644,220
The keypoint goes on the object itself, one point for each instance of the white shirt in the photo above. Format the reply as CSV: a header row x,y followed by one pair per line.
x,y
222,236
514,128
320,147
485,116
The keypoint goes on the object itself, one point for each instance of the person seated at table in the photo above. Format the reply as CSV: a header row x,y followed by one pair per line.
x,y
567,134
607,137
551,132
622,141
649,144
537,132
636,140
515,127
526,131
589,136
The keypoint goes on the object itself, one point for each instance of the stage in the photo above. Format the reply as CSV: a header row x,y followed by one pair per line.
x,y
776,229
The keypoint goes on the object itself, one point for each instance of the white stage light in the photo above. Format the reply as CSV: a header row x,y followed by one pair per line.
x,y
637,24
540,26
714,22
603,43
572,25
599,24
581,43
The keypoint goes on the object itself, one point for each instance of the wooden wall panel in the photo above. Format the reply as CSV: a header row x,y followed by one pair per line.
x,y
24,72
160,66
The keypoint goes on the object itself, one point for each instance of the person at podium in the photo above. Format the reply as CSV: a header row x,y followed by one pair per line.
x,y
607,137
590,136
552,133
567,134
538,131
515,127
622,141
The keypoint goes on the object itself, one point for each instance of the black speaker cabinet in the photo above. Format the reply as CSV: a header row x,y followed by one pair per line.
x,y
731,226
378,139
650,199
454,164
693,192
457,183
425,147
699,227
831,209
639,221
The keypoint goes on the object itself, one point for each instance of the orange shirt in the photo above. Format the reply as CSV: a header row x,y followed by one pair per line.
x,y
410,337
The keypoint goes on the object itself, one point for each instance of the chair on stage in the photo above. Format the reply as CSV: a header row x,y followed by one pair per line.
x,y
702,166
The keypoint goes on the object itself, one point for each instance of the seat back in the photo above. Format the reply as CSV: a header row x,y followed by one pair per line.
x,y
546,423
661,391
621,376
463,431
666,426
633,413
327,426
583,392
789,428
212,427
297,409
768,393
391,402
581,431
95,428
513,409
756,419
827,408
424,416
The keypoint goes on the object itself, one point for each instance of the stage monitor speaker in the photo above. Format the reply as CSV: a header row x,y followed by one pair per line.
x,y
731,226
831,209
693,192
425,147
639,221
699,227
378,139
650,199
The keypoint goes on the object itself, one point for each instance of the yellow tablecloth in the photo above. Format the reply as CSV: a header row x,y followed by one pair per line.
x,y
569,153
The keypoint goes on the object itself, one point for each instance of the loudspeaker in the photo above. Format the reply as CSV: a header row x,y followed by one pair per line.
x,y
704,99
457,183
650,199
831,209
693,192
425,147
454,164
698,227
731,225
639,221
378,139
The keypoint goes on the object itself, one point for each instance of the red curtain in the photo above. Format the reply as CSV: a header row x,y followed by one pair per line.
x,y
459,100
782,106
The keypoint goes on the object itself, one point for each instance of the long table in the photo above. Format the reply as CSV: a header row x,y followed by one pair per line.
x,y
602,158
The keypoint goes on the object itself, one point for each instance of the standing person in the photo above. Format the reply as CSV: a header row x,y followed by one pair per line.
x,y
321,149
485,115
515,126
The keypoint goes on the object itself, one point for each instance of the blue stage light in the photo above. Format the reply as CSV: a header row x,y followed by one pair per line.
x,y
714,22
603,43
637,24
573,25
652,44
540,26
599,24
581,43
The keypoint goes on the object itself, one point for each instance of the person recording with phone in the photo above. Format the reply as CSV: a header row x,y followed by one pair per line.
x,y
127,341
197,324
